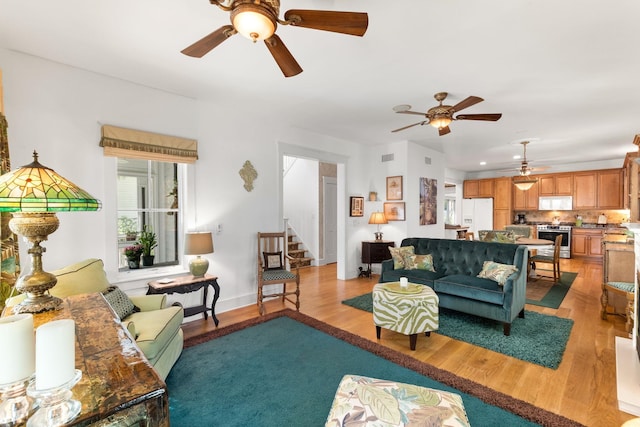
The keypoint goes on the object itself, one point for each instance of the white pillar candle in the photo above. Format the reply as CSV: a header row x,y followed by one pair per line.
x,y
17,357
404,282
55,353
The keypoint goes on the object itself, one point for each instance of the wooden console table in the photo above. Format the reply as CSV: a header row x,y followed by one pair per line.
x,y
187,284
373,252
118,385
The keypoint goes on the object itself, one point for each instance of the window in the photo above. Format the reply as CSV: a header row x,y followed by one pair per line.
x,y
147,196
449,211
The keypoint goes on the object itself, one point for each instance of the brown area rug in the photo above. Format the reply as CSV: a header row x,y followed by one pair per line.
x,y
492,397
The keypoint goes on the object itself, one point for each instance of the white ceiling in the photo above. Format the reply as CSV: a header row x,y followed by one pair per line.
x,y
565,74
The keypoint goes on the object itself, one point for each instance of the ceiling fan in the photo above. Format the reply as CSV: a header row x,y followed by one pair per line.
x,y
441,115
258,19
524,169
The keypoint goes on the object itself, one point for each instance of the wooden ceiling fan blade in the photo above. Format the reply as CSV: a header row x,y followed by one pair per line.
x,y
407,127
206,44
466,103
352,23
283,57
443,131
485,117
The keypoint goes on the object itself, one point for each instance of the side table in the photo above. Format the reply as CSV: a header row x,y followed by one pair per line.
x,y
187,284
373,252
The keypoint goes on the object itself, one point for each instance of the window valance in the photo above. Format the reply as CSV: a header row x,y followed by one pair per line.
x,y
137,144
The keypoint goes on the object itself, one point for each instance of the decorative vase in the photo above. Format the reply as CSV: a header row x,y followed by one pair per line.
x,y
147,260
134,262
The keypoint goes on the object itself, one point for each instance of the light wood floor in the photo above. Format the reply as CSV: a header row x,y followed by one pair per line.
x,y
583,388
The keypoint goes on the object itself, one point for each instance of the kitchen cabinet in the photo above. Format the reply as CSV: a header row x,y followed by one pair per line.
x,y
601,189
525,200
473,188
502,215
585,186
631,192
555,184
610,189
587,242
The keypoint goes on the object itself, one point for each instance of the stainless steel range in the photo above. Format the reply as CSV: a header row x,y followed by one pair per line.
x,y
549,232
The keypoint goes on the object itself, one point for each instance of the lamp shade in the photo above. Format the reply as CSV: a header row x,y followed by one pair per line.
x,y
198,243
253,21
524,182
440,122
37,188
378,218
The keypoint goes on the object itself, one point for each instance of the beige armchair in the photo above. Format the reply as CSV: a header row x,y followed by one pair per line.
x,y
155,327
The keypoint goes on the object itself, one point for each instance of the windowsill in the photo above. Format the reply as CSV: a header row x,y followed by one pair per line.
x,y
149,273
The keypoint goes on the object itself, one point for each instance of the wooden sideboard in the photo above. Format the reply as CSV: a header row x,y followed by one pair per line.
x,y
118,385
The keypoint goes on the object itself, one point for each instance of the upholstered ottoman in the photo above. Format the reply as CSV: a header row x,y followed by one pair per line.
x,y
410,311
369,401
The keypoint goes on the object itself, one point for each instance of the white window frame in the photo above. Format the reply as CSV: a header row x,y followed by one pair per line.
x,y
111,260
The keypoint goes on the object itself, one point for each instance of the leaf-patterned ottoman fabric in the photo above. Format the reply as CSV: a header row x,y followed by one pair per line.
x,y
370,401
406,313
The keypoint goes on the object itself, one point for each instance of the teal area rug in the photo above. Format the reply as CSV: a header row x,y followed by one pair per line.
x,y
283,369
537,338
544,292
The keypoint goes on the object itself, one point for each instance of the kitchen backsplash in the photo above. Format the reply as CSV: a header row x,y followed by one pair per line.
x,y
569,217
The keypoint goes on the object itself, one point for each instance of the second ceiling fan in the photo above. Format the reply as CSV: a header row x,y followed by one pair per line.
x,y
441,115
258,19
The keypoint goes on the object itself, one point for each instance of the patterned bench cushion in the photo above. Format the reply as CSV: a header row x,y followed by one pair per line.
x,y
371,401
405,313
268,275
625,286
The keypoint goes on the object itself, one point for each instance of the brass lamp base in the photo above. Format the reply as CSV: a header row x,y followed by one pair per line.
x,y
198,266
35,227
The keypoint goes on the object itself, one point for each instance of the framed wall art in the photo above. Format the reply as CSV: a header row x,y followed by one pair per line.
x,y
357,206
394,211
394,188
428,201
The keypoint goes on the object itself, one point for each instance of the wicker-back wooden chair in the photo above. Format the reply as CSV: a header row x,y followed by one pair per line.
x,y
274,268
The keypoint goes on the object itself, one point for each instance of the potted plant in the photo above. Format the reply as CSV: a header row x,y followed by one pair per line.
x,y
127,227
133,253
148,241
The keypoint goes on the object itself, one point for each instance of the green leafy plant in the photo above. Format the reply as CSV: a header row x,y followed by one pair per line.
x,y
147,240
127,226
133,251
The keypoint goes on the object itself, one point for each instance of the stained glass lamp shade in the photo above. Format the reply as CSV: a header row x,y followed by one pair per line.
x,y
33,194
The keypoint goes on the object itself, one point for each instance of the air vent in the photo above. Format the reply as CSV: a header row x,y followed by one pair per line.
x,y
387,157
427,160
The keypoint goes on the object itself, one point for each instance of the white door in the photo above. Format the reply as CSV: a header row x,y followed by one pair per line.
x,y
330,199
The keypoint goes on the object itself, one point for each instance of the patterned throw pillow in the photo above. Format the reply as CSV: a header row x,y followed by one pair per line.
x,y
421,262
120,302
401,256
272,260
497,272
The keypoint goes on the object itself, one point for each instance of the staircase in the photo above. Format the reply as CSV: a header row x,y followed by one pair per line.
x,y
297,253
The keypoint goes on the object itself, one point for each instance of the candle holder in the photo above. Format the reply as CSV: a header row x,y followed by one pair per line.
x,y
55,405
14,402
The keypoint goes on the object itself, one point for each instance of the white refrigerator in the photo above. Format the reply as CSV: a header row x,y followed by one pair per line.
x,y
477,214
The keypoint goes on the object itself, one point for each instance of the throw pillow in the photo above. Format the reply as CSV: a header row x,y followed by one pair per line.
x,y
497,272
401,256
272,260
421,262
120,302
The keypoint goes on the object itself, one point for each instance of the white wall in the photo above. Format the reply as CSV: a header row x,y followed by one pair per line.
x,y
58,110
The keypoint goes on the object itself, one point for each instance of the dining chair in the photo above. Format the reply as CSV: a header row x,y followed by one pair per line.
x,y
546,259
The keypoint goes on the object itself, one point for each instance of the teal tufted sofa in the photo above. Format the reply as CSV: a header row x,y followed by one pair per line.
x,y
456,264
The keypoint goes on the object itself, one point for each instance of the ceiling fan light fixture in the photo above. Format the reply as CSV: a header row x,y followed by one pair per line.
x,y
440,122
253,21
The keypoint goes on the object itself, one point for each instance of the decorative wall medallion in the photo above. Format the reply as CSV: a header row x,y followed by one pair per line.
x,y
248,175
